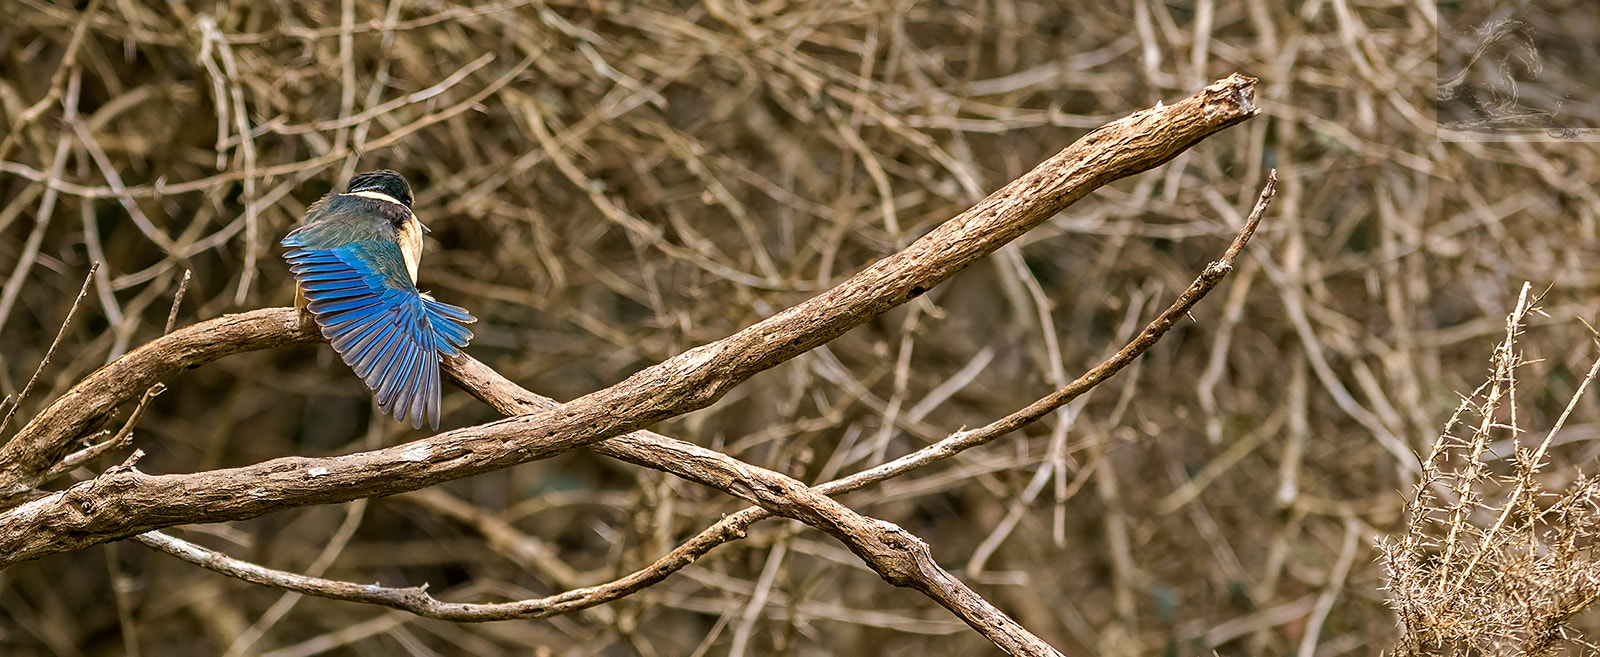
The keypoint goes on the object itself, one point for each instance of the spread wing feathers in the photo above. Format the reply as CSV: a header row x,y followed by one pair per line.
x,y
392,335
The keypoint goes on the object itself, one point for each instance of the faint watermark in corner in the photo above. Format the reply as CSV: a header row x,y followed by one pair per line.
x,y
1518,71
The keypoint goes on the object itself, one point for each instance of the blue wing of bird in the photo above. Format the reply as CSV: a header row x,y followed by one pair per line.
x,y
390,333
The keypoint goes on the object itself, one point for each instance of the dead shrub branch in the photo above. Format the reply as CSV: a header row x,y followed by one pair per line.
x,y
712,469
1491,559
124,502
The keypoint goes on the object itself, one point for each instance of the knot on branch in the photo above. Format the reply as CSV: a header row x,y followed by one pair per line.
x,y
1217,270
901,558
93,497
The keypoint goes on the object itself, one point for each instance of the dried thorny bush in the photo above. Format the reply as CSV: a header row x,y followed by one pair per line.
x,y
1494,558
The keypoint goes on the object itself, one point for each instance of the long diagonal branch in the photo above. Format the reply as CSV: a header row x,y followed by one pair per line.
x,y
125,502
697,464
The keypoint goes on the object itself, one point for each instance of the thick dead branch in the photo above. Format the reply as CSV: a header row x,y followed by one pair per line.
x,y
898,556
725,473
711,468
88,406
126,502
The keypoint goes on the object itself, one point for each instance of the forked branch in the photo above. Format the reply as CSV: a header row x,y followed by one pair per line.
x,y
695,463
124,502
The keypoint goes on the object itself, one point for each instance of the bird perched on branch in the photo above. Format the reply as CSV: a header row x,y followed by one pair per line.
x,y
355,267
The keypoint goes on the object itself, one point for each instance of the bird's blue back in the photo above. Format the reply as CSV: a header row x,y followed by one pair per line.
x,y
349,266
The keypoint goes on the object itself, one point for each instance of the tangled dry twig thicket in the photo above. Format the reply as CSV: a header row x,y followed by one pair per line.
x,y
613,183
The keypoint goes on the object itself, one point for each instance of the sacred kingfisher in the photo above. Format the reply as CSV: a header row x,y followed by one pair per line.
x,y
355,266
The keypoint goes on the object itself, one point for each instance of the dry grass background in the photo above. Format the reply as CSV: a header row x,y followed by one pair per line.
x,y
613,182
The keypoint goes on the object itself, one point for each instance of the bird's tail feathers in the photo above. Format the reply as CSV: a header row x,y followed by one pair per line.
x,y
448,323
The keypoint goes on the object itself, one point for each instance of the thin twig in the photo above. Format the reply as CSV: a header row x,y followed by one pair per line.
x,y
60,332
177,300
122,439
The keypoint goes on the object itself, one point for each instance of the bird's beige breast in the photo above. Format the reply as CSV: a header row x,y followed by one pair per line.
x,y
411,245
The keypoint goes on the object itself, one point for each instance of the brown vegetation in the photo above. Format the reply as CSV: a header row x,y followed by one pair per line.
x,y
613,184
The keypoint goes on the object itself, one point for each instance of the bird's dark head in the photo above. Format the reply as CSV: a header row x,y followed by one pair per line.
x,y
385,182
